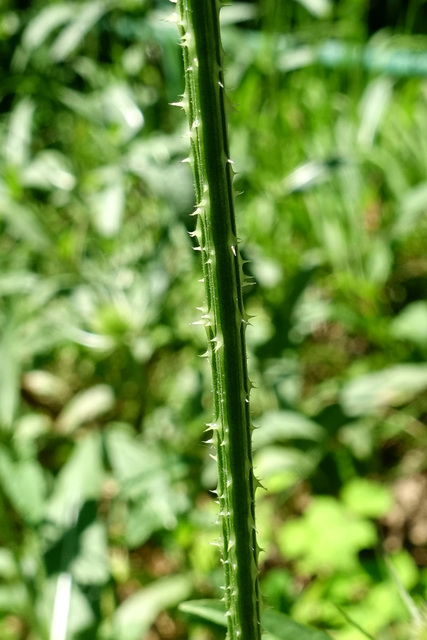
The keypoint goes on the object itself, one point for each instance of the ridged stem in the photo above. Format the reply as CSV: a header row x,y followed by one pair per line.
x,y
223,315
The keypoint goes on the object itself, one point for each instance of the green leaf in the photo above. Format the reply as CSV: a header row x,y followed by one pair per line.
x,y
411,324
108,203
146,477
86,406
79,480
134,617
285,425
412,206
282,627
25,486
91,564
211,610
318,8
73,34
326,537
289,464
49,170
278,625
367,498
18,144
64,608
8,565
45,21
373,104
46,387
237,12
10,371
390,387
13,599
121,109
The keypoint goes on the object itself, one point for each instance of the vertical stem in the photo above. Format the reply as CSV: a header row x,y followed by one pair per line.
x,y
223,315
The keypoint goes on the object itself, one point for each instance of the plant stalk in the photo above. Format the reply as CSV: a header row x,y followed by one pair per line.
x,y
223,315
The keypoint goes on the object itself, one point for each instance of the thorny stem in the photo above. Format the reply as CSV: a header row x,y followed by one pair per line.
x,y
223,314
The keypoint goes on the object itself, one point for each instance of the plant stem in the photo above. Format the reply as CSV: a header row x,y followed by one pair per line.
x,y
223,315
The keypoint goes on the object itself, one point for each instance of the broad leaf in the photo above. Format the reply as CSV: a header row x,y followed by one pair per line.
x,y
133,618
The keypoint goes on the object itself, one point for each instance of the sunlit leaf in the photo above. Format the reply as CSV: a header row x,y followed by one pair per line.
x,y
86,406
46,387
10,371
22,223
211,610
413,205
63,607
79,480
73,34
49,170
108,202
327,537
367,498
45,22
19,136
372,107
390,387
411,323
91,563
120,108
24,484
277,426
318,8
133,618
13,599
146,478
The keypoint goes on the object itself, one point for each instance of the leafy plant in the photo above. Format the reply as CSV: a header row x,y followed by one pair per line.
x,y
105,510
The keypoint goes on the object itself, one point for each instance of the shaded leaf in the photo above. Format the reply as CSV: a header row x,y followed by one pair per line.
x,y
282,627
278,625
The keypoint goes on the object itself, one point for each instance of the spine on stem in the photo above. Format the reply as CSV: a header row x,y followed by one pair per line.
x,y
223,315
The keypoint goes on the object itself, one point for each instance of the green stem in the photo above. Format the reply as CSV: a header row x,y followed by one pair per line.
x,y
223,316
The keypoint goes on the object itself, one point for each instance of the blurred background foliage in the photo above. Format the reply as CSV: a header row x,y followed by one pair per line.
x,y
105,510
